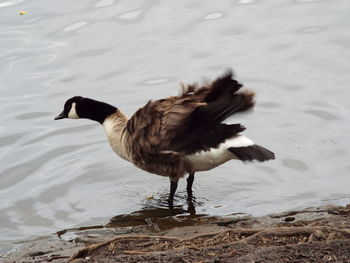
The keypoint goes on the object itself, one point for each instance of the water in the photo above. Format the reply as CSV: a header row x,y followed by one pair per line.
x,y
61,174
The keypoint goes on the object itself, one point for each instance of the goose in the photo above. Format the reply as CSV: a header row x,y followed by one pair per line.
x,y
178,135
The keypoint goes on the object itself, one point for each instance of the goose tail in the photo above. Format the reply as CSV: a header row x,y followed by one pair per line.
x,y
252,153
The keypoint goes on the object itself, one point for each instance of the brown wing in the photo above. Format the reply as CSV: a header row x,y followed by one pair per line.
x,y
166,129
153,127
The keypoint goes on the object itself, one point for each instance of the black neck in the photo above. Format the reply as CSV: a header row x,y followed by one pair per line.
x,y
95,110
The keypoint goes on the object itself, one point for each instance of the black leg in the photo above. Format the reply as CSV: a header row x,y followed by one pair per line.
x,y
191,208
189,185
173,187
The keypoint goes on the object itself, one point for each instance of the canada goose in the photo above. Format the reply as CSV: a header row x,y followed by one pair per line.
x,y
177,135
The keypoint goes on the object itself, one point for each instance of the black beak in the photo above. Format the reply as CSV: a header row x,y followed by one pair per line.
x,y
61,116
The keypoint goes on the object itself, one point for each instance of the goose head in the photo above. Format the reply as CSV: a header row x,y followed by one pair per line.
x,y
79,107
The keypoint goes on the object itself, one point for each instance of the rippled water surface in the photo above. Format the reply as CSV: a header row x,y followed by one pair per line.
x,y
60,174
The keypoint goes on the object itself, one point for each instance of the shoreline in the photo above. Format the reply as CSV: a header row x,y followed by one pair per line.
x,y
318,234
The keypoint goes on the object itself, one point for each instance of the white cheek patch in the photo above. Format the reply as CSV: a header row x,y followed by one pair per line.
x,y
72,114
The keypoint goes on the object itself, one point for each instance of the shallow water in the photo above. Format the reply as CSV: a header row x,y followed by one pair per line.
x,y
62,174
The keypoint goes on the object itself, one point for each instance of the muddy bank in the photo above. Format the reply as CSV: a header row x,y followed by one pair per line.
x,y
310,235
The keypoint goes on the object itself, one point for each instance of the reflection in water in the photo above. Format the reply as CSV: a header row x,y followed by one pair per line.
x,y
158,214
157,219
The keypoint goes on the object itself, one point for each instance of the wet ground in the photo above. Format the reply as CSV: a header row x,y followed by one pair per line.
x,y
311,235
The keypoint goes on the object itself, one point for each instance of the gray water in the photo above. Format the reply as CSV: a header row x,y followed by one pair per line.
x,y
60,174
